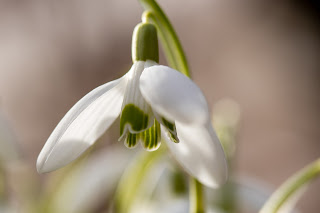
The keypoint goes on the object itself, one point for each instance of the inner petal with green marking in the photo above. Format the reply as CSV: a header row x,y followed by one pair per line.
x,y
138,123
134,128
150,138
136,114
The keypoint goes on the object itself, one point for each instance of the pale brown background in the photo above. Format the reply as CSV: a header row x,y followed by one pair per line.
x,y
263,55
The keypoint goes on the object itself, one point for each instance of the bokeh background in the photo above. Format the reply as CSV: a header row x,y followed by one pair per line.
x,y
264,55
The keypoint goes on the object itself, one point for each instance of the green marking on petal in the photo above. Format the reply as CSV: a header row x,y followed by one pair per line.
x,y
151,138
170,126
173,137
131,140
135,117
171,130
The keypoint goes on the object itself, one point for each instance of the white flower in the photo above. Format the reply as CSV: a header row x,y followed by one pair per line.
x,y
147,97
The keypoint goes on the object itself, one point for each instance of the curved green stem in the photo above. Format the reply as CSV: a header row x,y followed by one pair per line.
x,y
169,39
196,197
288,189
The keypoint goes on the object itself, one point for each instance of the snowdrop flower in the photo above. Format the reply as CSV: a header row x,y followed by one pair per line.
x,y
152,101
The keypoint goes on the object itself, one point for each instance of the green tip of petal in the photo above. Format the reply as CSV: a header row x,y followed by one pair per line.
x,y
171,130
170,126
173,137
145,43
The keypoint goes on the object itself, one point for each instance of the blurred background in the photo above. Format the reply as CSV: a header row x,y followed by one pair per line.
x,y
263,55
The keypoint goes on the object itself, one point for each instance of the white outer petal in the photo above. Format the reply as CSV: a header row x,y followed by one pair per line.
x,y
200,153
84,123
173,95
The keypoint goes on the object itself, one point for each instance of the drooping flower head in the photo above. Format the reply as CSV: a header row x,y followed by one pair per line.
x,y
153,102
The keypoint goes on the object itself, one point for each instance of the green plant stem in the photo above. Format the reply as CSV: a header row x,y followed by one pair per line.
x,y
288,189
196,197
169,39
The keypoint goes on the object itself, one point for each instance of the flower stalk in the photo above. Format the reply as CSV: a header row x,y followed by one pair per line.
x,y
196,196
171,45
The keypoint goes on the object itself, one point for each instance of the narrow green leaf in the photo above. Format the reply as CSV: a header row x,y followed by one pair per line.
x,y
289,188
